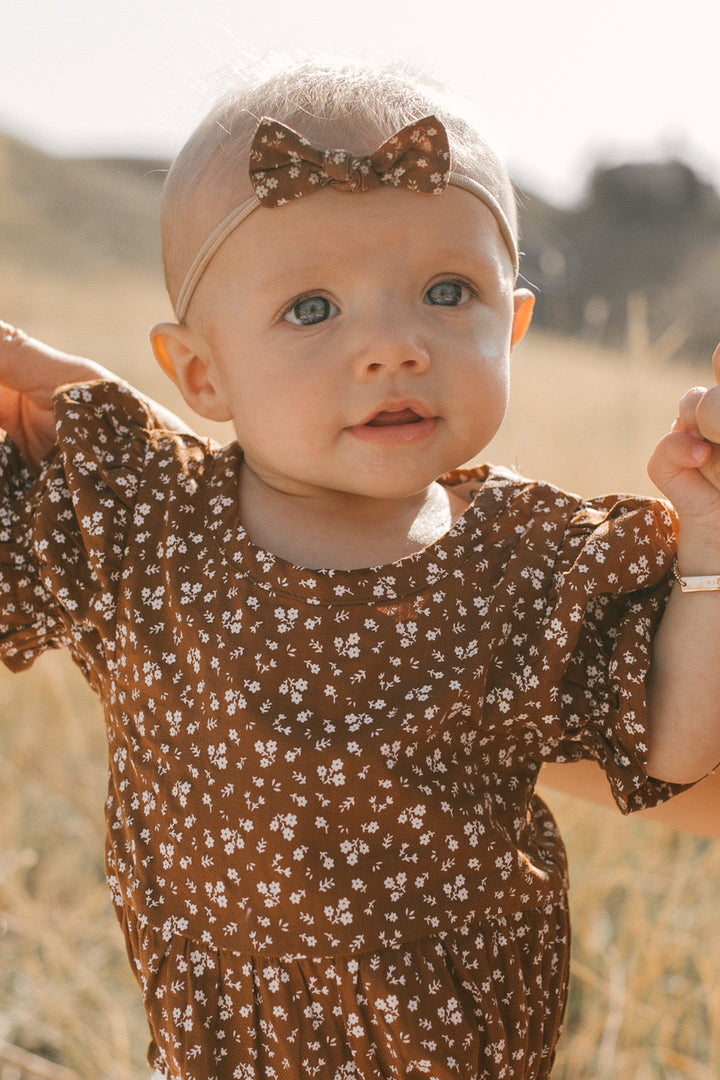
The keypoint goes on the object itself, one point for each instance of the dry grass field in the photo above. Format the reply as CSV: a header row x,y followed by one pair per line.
x,y
645,1000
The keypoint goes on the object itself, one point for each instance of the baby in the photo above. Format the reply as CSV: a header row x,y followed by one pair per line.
x,y
333,661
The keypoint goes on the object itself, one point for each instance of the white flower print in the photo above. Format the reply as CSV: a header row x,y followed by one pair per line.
x,y
320,782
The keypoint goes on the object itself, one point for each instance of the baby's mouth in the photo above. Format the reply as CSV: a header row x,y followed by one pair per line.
x,y
396,424
396,417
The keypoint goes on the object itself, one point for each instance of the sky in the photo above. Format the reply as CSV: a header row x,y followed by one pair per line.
x,y
562,84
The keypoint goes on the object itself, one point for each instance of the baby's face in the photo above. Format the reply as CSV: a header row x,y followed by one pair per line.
x,y
361,343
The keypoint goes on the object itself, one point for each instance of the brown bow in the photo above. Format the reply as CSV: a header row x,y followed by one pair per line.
x,y
284,166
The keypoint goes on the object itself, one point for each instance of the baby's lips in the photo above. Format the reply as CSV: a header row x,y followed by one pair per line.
x,y
395,416
397,412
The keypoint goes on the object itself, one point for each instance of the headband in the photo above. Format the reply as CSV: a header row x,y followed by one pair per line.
x,y
284,166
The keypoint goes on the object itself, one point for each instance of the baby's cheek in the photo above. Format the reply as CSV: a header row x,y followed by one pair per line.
x,y
493,348
492,336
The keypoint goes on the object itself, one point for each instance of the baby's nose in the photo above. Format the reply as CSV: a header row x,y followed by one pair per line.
x,y
394,344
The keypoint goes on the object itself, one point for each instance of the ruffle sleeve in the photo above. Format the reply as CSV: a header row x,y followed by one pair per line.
x,y
611,583
29,619
63,532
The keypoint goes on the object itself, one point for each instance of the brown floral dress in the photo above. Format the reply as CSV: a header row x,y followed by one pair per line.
x,y
323,841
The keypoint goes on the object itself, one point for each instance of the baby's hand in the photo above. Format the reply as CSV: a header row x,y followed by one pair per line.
x,y
686,462
30,373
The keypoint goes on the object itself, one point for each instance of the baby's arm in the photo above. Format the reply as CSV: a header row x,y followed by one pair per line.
x,y
684,681
30,373
696,810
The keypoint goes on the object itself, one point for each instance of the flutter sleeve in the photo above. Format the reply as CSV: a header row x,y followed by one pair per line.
x,y
63,533
611,583
29,619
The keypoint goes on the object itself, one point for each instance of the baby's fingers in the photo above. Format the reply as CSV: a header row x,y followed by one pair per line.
x,y
687,410
716,364
699,416
707,415
676,467
677,452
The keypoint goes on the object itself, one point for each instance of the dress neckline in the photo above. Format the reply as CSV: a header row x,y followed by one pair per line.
x,y
409,575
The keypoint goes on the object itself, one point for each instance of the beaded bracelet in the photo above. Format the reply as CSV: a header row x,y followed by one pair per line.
x,y
708,583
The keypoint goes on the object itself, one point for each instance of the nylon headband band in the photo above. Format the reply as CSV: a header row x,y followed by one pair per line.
x,y
228,225
199,264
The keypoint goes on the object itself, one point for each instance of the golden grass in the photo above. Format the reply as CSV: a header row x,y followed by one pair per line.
x,y
645,998
587,419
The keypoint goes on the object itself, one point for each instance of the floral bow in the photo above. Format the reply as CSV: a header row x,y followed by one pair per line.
x,y
284,166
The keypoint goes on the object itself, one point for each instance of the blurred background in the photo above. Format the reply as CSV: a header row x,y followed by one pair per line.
x,y
608,117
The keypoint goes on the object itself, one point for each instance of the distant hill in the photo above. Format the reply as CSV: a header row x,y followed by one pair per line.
x,y
74,216
638,257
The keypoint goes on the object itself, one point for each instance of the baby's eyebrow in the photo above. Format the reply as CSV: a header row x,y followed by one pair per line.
x,y
472,258
322,265
304,277
307,267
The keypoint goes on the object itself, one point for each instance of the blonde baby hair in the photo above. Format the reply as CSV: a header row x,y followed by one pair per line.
x,y
336,104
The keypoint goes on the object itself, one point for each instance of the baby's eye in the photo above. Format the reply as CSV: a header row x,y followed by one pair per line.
x,y
448,293
310,310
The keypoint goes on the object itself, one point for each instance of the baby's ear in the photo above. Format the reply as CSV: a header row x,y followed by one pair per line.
x,y
524,303
185,357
